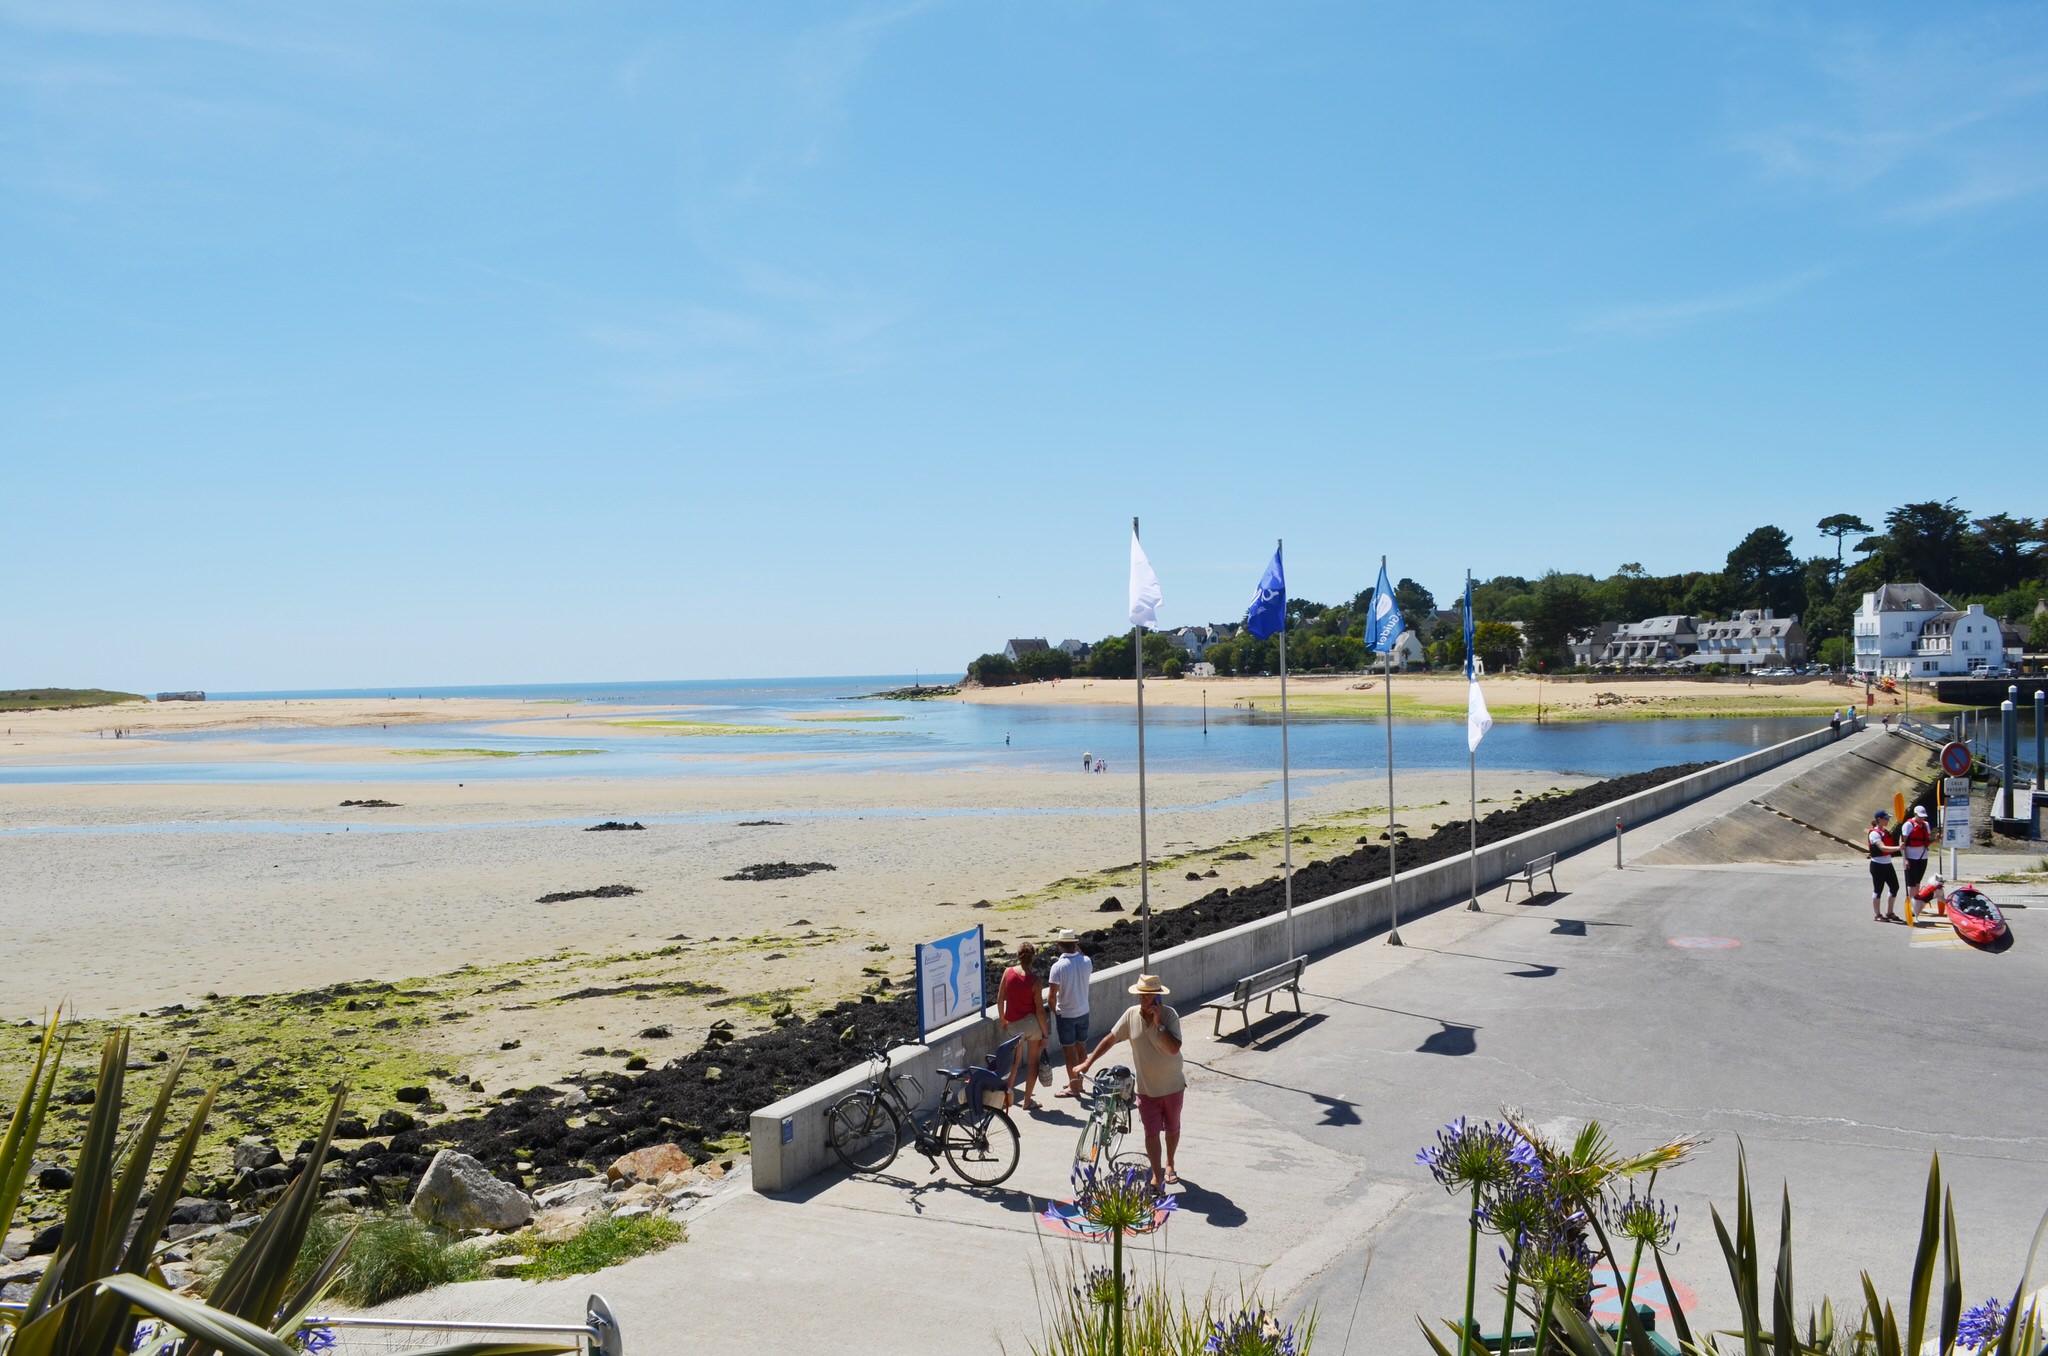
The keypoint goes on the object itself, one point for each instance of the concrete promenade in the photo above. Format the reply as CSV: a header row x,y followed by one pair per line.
x,y
1756,1002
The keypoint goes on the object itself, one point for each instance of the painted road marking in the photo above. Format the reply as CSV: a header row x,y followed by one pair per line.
x,y
1649,1291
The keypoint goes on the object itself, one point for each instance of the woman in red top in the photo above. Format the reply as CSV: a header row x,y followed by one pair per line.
x,y
1023,1011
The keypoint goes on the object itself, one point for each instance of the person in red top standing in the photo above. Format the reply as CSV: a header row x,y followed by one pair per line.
x,y
1023,1012
1916,835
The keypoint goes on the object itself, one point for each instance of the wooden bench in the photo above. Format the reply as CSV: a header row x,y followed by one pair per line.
x,y
1546,865
1265,984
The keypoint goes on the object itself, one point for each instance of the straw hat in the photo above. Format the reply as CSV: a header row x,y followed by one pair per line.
x,y
1150,984
1060,935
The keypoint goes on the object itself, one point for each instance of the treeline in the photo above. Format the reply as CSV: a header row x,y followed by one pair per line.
x,y
2000,561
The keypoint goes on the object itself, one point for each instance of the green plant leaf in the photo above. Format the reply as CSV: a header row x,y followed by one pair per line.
x,y
253,1285
25,1130
1923,1258
316,1287
1951,1276
205,1324
1681,1330
1784,1313
1436,1343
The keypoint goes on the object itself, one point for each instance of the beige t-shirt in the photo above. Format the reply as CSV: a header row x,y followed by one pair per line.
x,y
1158,1068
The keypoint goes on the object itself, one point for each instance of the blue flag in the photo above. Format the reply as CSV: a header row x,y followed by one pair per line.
x,y
1267,615
1471,670
1383,626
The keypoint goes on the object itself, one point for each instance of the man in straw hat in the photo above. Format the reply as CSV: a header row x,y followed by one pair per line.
x,y
1066,995
1153,1029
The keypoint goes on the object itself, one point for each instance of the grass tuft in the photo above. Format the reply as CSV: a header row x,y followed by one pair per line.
x,y
394,1255
604,1242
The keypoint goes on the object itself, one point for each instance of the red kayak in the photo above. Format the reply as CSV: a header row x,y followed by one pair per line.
x,y
1974,917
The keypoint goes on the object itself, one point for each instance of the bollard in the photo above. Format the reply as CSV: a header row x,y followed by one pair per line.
x,y
1617,844
2040,730
2009,735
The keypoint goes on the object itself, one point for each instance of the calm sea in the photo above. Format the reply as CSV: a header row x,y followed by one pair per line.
x,y
821,725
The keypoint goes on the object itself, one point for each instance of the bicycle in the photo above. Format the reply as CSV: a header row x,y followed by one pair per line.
x,y
865,1127
1112,1094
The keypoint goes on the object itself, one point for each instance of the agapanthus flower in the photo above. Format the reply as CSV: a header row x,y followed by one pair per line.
x,y
1120,1199
1482,1155
145,1334
1253,1331
1098,1287
1982,1326
1645,1219
316,1341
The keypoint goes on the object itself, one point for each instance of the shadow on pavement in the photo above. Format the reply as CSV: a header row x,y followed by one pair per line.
x,y
1534,970
1016,1202
1398,1012
1336,1110
1215,1208
1451,1040
1272,1030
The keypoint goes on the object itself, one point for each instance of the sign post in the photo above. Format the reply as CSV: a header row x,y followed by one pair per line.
x,y
951,981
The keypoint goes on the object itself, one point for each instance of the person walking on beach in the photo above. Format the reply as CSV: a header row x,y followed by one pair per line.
x,y
1153,1029
1066,994
1884,877
1916,835
1087,761
1023,1010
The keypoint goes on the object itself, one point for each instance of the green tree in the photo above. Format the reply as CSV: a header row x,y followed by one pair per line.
x,y
1838,526
1111,657
1564,611
1836,651
1762,572
2037,633
2009,550
1499,645
1708,596
1415,602
993,670
1040,665
1926,542
1171,667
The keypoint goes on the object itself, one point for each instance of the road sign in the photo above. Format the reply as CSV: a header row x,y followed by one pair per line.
x,y
1955,758
1955,788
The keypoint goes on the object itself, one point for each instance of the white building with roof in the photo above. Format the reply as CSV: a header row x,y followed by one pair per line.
x,y
1752,639
1887,628
1653,642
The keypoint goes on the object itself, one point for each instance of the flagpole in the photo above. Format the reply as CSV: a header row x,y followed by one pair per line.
x,y
1393,868
1144,855
1471,749
1286,793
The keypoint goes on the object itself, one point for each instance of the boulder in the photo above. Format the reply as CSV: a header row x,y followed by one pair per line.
x,y
254,1154
46,1240
199,1210
579,1194
396,1123
51,1176
411,1095
560,1225
459,1193
649,1165
636,1199
351,1127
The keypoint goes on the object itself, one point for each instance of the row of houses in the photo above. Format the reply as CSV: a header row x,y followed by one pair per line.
x,y
1196,640
1752,639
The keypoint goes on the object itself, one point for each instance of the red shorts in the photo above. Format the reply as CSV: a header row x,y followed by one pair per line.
x,y
1161,1113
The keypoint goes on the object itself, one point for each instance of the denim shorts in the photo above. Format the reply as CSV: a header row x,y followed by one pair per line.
x,y
1071,1030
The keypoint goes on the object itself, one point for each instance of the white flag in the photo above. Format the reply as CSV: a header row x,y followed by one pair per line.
x,y
1145,596
1478,720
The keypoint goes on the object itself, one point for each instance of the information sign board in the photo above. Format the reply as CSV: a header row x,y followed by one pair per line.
x,y
1955,788
1955,823
951,980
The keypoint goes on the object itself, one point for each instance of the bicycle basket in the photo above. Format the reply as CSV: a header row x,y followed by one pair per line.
x,y
1117,1082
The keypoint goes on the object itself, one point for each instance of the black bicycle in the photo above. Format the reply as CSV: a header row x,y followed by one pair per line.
x,y
866,1127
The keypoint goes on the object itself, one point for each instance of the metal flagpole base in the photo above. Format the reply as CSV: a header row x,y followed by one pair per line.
x,y
1472,906
1394,938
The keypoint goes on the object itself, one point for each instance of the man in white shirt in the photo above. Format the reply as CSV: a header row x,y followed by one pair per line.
x,y
1066,998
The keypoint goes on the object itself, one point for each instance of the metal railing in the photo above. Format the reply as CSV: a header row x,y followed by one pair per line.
x,y
597,1335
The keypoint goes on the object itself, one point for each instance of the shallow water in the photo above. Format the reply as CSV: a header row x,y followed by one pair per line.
x,y
923,737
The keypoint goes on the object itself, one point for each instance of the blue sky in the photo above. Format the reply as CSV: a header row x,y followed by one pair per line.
x,y
452,343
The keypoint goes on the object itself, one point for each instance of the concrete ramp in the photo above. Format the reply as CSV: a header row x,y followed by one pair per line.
x,y
1821,813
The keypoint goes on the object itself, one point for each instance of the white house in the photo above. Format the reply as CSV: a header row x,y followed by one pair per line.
x,y
1887,627
1752,639
1954,643
1015,650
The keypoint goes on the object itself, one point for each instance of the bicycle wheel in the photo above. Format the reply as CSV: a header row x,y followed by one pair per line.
x,y
863,1131
983,1152
1101,1137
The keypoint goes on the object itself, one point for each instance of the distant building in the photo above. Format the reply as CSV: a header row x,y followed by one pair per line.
x,y
1015,650
1591,648
1653,642
1076,650
181,696
1910,631
1751,640
1203,669
1196,640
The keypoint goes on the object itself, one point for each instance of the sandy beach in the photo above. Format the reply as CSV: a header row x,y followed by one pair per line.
x,y
1442,696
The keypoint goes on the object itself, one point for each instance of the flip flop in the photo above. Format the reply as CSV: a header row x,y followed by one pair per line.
x,y
1172,1177
1066,1092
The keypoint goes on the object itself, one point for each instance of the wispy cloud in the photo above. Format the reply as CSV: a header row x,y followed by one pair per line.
x,y
1642,321
1930,122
